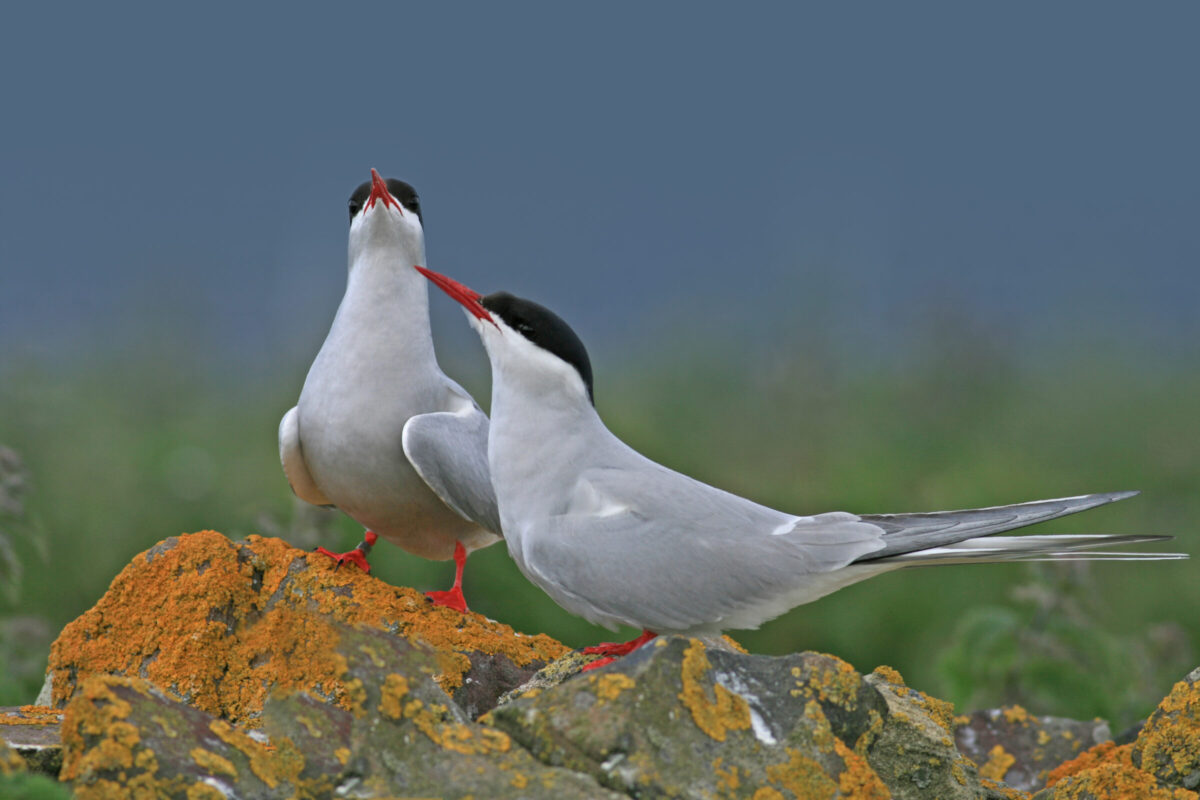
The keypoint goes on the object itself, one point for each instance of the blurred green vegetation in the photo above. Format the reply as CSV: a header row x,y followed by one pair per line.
x,y
126,451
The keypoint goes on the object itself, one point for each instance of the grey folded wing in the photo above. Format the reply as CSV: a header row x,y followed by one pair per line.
x,y
449,451
652,548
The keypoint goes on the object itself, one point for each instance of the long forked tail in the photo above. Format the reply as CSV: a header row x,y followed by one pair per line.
x,y
947,537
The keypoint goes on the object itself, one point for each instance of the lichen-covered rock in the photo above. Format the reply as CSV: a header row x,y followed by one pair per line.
x,y
1169,745
913,748
1011,745
219,625
679,719
32,733
1107,772
400,735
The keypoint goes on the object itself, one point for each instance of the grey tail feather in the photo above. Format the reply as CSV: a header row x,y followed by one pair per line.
x,y
1070,547
907,533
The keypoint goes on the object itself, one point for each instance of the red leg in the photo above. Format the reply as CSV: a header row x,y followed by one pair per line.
x,y
453,597
356,556
614,650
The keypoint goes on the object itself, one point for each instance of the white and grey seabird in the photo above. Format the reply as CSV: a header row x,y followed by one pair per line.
x,y
379,431
621,540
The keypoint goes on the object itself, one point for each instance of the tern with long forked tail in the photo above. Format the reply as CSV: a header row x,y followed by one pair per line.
x,y
379,431
621,540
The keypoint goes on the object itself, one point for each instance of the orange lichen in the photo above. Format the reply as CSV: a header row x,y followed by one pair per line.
x,y
998,764
727,779
230,623
857,779
767,793
1169,744
801,776
210,761
609,687
392,694
725,712
97,717
202,791
822,731
1100,754
1016,715
32,715
1117,780
889,674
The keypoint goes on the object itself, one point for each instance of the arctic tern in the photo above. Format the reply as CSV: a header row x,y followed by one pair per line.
x,y
621,540
379,431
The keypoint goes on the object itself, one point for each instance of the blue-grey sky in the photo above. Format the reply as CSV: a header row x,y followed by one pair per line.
x,y
181,172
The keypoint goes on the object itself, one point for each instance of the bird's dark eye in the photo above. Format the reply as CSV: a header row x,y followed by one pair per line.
x,y
354,209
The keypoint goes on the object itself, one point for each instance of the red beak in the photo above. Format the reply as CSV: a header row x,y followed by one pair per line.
x,y
379,191
465,295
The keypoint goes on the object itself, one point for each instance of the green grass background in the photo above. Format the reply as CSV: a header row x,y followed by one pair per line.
x,y
125,450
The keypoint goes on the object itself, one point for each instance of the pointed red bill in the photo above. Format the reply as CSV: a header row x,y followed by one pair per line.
x,y
463,294
379,191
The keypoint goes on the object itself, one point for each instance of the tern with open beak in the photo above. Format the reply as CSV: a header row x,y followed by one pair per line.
x,y
621,540
379,431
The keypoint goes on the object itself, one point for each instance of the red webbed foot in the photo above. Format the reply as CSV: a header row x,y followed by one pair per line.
x,y
614,650
453,597
357,556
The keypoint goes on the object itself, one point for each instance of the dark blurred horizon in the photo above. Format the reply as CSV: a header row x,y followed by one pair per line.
x,y
180,175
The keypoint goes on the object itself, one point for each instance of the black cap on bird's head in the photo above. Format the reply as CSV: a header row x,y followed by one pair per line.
x,y
536,323
390,192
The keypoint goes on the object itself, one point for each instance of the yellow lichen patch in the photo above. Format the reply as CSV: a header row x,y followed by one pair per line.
x,y
868,736
211,762
272,765
342,754
1016,715
725,712
734,644
889,674
391,701
202,791
1100,754
1043,737
94,734
801,776
998,763
727,779
1117,780
1169,744
941,711
767,793
838,684
822,732
519,780
32,715
609,687
857,780
233,622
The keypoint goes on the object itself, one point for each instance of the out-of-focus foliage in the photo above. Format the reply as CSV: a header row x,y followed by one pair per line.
x,y
27,786
1051,650
128,451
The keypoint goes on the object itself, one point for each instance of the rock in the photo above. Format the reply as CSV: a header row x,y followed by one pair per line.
x,y
219,625
1168,746
1106,772
913,750
400,734
1011,745
32,733
678,719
